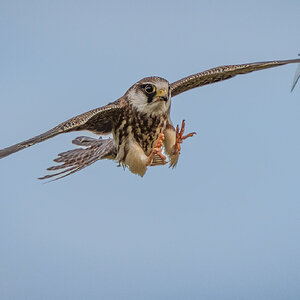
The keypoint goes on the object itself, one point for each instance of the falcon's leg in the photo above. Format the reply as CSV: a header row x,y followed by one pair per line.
x,y
138,161
173,139
180,137
156,157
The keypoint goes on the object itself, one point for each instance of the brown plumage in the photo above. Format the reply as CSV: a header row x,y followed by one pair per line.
x,y
139,123
77,159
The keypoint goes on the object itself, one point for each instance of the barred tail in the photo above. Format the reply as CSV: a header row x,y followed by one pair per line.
x,y
77,159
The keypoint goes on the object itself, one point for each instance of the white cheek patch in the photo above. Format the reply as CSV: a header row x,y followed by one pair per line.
x,y
140,101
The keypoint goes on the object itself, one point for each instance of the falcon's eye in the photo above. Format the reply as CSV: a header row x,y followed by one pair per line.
x,y
149,89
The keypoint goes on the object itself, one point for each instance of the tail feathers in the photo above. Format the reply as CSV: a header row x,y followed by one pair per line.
x,y
25,144
75,160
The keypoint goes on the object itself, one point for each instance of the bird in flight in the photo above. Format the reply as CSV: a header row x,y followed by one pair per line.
x,y
139,122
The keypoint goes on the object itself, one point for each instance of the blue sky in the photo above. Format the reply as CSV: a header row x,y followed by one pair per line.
x,y
224,224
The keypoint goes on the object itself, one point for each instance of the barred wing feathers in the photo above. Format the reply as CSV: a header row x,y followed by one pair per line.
x,y
98,120
223,73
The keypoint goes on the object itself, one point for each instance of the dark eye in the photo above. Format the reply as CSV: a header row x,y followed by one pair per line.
x,y
149,89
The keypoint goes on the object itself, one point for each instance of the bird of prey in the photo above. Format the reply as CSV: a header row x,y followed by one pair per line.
x,y
139,122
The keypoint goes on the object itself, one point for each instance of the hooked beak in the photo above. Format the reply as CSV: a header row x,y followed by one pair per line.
x,y
161,95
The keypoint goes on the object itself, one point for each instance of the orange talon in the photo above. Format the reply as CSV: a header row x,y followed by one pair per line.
x,y
180,137
157,150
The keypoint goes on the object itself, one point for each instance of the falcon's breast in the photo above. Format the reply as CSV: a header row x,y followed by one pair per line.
x,y
142,127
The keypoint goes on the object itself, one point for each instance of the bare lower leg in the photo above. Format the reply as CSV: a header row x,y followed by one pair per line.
x,y
157,150
180,137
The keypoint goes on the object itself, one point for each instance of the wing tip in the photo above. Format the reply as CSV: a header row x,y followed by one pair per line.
x,y
296,77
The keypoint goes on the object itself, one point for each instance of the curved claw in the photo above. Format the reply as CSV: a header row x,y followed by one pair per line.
x,y
157,151
180,137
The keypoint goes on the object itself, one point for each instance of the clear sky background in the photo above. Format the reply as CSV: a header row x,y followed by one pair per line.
x,y
225,224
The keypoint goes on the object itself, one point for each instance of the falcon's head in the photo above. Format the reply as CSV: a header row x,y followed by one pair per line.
x,y
150,95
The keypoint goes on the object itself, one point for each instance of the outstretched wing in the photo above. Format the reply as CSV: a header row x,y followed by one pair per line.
x,y
296,78
77,159
98,121
223,73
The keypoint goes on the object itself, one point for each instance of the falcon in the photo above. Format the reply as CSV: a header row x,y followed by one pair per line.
x,y
139,122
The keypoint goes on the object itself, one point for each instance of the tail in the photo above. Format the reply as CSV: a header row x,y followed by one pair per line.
x,y
77,159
